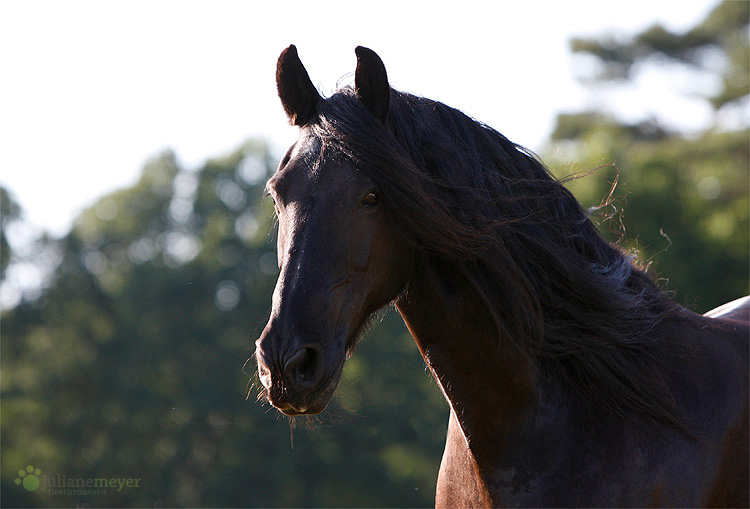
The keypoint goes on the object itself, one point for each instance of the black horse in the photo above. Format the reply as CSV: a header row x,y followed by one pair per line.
x,y
572,379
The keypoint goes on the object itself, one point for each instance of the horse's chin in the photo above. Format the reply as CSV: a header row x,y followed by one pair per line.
x,y
293,411
292,404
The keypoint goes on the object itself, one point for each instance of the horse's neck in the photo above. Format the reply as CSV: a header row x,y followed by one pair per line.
x,y
489,382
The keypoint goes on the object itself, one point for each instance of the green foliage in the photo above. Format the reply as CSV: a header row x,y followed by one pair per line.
x,y
131,365
681,204
724,30
9,212
682,201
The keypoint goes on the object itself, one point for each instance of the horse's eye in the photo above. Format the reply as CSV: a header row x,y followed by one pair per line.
x,y
370,200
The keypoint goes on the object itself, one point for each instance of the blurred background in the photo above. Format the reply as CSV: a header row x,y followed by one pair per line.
x,y
137,252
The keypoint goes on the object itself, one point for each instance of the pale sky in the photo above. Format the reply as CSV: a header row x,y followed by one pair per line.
x,y
92,89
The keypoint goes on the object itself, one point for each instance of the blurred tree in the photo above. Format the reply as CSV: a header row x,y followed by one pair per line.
x,y
9,212
721,38
682,199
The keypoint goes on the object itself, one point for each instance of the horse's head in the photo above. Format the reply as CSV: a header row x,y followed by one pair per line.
x,y
339,260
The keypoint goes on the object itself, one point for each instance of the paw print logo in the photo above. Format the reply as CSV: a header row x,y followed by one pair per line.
x,y
29,478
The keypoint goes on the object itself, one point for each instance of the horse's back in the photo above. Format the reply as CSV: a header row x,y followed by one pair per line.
x,y
731,485
738,310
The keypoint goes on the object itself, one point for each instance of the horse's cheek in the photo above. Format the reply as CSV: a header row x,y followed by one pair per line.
x,y
360,247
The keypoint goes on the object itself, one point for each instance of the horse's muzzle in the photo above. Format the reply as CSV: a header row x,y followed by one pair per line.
x,y
295,383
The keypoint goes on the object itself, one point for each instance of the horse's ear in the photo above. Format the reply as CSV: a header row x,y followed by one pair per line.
x,y
297,93
371,82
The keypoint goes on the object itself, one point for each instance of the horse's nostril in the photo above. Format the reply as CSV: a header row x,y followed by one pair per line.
x,y
305,367
265,376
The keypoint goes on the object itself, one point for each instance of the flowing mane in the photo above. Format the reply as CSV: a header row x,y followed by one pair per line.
x,y
462,192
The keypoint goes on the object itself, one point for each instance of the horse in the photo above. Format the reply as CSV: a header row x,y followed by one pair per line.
x,y
572,379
